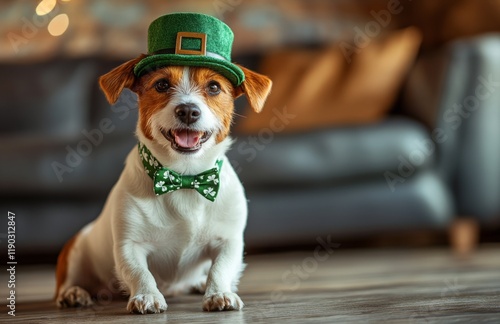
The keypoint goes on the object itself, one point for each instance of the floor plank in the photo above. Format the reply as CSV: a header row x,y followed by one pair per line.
x,y
390,286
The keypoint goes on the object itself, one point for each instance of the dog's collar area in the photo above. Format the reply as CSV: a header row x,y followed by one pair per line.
x,y
165,180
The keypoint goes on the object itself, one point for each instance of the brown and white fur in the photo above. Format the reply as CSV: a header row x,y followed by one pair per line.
x,y
162,245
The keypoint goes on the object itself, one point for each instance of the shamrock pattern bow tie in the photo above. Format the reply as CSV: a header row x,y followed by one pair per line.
x,y
165,180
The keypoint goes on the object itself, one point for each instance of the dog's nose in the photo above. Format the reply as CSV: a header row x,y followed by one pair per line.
x,y
188,113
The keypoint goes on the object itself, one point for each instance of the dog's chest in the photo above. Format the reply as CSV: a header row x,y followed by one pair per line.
x,y
174,257
177,235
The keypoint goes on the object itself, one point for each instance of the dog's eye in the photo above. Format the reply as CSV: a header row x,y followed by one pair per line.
x,y
213,88
162,85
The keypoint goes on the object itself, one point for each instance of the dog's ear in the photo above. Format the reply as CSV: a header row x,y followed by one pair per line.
x,y
256,87
113,82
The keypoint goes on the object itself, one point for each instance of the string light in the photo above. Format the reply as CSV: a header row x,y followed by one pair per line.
x,y
45,6
58,25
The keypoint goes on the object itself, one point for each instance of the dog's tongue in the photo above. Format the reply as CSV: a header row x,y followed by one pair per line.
x,y
187,138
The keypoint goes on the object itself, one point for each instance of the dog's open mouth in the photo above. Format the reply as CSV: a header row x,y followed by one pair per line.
x,y
186,140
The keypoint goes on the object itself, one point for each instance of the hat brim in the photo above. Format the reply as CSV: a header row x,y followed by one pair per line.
x,y
231,71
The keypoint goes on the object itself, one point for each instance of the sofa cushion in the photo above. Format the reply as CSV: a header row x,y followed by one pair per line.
x,y
44,166
397,145
48,98
280,218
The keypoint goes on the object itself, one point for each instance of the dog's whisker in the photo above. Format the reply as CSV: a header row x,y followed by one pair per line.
x,y
239,115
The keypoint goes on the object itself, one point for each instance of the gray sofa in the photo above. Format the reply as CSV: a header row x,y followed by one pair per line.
x,y
436,159
62,151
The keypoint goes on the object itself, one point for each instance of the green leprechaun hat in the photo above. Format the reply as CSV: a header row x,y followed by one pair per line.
x,y
190,39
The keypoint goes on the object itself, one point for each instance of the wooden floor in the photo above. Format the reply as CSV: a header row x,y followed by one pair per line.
x,y
344,286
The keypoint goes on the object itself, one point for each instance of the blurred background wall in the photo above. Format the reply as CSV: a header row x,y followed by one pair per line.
x,y
384,117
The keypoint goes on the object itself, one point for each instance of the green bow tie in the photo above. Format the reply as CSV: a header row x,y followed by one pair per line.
x,y
165,180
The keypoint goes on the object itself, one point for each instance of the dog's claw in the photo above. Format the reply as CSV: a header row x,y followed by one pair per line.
x,y
74,297
222,301
147,304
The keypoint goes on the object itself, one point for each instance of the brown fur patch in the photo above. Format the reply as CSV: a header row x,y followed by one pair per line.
x,y
222,104
62,263
150,100
256,87
113,82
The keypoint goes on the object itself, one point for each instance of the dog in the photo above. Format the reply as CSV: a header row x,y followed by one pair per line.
x,y
161,245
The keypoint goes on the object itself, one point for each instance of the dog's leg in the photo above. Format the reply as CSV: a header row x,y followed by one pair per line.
x,y
223,276
132,268
69,276
199,282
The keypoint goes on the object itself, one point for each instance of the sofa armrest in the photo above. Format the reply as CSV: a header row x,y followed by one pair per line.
x,y
469,117
455,91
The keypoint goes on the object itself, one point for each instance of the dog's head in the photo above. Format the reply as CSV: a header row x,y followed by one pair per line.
x,y
185,109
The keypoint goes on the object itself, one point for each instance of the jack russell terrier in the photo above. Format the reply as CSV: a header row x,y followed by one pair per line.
x,y
174,221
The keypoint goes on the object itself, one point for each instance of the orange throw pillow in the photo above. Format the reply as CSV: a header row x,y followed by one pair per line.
x,y
321,88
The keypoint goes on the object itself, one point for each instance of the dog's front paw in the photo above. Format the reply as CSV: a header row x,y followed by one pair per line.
x,y
147,304
222,301
74,297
